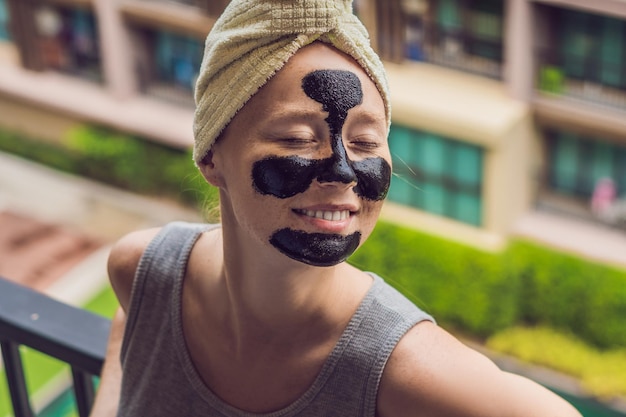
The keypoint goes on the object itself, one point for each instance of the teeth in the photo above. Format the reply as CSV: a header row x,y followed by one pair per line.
x,y
328,215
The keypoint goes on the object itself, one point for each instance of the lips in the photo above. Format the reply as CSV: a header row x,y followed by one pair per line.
x,y
330,215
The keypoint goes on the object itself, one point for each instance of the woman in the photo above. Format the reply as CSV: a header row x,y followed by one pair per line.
x,y
261,315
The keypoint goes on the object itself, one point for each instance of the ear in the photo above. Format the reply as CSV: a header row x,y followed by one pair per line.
x,y
210,171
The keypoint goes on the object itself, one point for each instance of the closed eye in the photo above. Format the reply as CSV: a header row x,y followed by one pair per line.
x,y
295,142
364,144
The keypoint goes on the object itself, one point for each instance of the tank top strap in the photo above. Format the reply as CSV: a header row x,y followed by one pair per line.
x,y
160,274
383,319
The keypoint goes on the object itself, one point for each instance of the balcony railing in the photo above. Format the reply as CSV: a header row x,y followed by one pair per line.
x,y
588,85
463,50
69,334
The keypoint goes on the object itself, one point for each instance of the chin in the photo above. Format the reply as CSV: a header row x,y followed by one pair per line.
x,y
316,249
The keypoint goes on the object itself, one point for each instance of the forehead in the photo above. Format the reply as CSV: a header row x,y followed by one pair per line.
x,y
285,87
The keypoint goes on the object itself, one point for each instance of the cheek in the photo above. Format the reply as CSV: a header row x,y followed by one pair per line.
x,y
374,177
283,177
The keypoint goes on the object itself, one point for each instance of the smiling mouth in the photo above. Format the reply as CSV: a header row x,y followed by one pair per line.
x,y
331,215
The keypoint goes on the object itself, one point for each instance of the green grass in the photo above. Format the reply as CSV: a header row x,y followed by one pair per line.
x,y
601,372
39,368
104,304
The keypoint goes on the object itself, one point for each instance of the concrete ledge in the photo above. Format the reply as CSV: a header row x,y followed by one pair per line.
x,y
453,103
100,210
89,102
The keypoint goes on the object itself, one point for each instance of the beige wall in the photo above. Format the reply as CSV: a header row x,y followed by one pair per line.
x,y
9,54
36,122
615,8
508,175
475,110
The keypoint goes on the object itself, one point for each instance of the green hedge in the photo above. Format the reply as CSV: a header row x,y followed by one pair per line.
x,y
483,293
569,293
120,160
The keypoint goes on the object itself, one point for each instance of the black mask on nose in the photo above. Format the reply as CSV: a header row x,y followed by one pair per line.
x,y
283,177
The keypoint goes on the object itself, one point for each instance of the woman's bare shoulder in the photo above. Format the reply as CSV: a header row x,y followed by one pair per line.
x,y
124,260
432,373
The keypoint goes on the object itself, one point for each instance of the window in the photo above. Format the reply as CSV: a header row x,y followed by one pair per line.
x,y
436,174
593,48
69,41
463,34
212,7
449,15
169,69
190,2
4,21
178,59
584,57
578,162
485,27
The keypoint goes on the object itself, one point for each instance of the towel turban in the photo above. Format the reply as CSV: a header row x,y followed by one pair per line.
x,y
253,39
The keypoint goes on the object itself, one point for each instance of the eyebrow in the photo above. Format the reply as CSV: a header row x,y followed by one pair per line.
x,y
359,113
369,117
290,114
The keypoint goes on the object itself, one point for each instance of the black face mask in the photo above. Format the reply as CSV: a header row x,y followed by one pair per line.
x,y
283,177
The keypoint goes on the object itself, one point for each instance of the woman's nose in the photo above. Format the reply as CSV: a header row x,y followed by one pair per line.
x,y
337,168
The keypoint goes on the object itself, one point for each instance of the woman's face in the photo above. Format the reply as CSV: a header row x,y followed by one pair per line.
x,y
305,165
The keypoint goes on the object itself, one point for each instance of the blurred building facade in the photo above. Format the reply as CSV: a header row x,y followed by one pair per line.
x,y
499,106
502,107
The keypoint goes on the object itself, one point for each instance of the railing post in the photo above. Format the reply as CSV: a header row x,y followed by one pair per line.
x,y
16,379
84,391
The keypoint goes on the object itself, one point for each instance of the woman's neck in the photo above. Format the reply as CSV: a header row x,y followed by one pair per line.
x,y
272,297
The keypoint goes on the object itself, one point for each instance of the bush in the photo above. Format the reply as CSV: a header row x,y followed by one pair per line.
x,y
42,152
483,293
120,160
569,293
460,285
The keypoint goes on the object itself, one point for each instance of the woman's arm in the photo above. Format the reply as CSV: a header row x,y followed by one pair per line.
x,y
431,373
122,265
108,395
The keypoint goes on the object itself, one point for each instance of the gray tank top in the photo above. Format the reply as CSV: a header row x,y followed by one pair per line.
x,y
161,380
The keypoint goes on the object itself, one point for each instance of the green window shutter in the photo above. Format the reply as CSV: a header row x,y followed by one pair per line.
x,y
620,171
4,21
164,51
466,170
486,19
433,162
401,190
612,52
432,156
467,166
434,199
449,14
401,144
468,208
436,174
577,163
576,42
601,163
565,166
